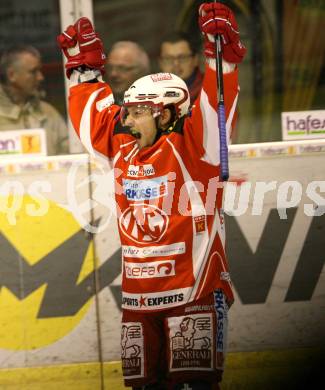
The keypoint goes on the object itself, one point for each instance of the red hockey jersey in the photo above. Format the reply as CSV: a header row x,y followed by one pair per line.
x,y
168,196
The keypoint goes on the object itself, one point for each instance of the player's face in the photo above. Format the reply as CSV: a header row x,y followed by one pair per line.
x,y
178,58
142,123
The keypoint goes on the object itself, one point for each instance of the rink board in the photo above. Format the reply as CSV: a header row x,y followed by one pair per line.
x,y
277,369
60,295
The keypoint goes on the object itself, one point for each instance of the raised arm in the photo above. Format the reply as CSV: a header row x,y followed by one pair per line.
x,y
91,104
216,19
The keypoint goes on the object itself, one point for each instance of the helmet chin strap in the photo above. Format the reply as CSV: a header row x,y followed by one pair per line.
x,y
161,131
170,127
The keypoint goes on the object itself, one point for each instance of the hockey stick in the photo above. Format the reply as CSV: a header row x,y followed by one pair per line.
x,y
224,166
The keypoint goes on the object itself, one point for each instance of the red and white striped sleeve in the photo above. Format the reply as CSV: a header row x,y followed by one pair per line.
x,y
202,126
93,116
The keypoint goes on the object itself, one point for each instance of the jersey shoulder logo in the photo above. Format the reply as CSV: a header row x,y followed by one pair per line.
x,y
141,170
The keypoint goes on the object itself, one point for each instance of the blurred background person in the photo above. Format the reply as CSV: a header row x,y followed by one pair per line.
x,y
21,98
179,55
126,62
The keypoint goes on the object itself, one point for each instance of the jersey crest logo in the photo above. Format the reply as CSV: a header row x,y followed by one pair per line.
x,y
144,223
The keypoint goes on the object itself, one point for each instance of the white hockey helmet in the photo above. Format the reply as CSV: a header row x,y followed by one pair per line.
x,y
158,91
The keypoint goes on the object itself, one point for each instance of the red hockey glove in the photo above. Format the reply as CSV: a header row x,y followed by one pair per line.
x,y
218,19
82,46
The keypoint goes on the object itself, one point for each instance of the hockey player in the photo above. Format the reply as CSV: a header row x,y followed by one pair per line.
x,y
176,286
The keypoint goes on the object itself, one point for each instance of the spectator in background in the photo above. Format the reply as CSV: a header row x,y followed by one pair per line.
x,y
179,55
126,62
21,98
